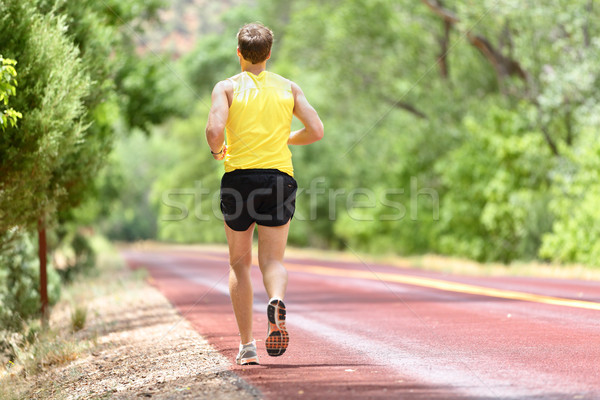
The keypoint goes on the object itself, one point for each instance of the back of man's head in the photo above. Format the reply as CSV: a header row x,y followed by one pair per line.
x,y
255,41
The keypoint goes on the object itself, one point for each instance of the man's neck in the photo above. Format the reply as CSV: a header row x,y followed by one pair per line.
x,y
256,69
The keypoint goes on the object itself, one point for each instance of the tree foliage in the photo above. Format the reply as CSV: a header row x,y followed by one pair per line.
x,y
34,155
475,122
8,88
80,81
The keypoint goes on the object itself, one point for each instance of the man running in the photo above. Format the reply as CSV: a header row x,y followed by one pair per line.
x,y
258,188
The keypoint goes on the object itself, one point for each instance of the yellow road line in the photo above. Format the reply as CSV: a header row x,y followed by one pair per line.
x,y
433,284
445,285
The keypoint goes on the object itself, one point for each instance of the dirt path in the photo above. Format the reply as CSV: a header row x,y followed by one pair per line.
x,y
136,346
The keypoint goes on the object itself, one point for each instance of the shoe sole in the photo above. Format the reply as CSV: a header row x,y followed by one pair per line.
x,y
278,337
248,361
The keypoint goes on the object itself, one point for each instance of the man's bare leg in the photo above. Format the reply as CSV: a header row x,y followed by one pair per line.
x,y
271,249
240,284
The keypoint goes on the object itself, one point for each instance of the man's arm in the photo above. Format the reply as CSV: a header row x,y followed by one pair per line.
x,y
313,127
217,118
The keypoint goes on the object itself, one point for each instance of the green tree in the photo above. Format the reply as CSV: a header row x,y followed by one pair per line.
x,y
53,84
490,107
34,157
397,81
496,197
575,235
76,84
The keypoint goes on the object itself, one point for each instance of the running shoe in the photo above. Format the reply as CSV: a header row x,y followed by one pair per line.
x,y
247,354
278,337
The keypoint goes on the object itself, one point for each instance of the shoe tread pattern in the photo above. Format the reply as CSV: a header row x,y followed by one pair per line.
x,y
278,337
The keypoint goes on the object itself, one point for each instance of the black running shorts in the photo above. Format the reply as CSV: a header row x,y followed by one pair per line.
x,y
264,196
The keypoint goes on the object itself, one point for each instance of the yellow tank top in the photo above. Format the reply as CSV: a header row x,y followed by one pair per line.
x,y
259,123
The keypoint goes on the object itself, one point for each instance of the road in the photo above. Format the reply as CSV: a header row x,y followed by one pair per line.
x,y
367,331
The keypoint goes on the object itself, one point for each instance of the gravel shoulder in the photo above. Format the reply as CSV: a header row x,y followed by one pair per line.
x,y
134,345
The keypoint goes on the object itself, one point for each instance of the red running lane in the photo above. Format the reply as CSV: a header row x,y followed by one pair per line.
x,y
372,339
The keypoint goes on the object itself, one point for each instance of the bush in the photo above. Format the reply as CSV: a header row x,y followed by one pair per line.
x,y
496,204
78,318
19,284
75,254
575,235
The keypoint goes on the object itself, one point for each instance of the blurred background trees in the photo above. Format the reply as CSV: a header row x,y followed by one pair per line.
x,y
470,128
491,106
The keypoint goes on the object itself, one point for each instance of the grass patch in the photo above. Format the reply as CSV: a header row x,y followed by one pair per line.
x,y
78,318
453,265
37,352
51,349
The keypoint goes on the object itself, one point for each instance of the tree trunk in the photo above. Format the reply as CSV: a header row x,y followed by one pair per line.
x,y
444,43
503,65
569,127
586,28
42,252
407,107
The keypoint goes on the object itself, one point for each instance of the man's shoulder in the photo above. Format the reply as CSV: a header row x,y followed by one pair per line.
x,y
225,85
232,79
279,77
285,80
235,77
280,81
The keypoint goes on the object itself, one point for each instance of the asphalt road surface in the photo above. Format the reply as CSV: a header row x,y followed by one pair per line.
x,y
366,331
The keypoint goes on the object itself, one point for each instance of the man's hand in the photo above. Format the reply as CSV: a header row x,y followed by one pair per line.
x,y
221,155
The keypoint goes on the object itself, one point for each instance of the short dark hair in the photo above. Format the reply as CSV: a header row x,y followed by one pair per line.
x,y
255,41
